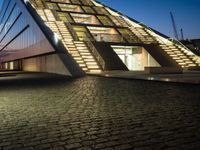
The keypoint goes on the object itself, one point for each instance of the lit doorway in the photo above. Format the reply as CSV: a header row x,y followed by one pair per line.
x,y
136,58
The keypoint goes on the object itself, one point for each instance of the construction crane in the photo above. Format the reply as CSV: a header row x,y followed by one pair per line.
x,y
174,26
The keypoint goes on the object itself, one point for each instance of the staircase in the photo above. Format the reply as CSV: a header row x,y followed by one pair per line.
x,y
87,57
138,31
78,49
179,55
143,35
177,52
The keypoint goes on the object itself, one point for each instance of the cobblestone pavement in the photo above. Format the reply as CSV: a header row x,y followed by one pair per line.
x,y
99,113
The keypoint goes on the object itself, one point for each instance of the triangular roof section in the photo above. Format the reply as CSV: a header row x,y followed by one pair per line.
x,y
87,36
28,36
59,14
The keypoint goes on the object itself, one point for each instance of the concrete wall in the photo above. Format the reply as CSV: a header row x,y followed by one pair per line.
x,y
48,63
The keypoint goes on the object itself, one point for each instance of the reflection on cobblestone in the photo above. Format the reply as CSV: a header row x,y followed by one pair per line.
x,y
99,113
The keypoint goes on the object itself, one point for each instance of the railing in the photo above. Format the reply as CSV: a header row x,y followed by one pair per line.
x,y
96,54
70,28
132,38
122,21
146,37
103,37
154,36
111,38
85,38
182,45
171,40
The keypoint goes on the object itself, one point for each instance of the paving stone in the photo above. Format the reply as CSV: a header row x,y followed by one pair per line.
x,y
43,146
73,140
123,147
26,148
101,140
100,146
88,143
73,146
5,144
98,113
12,147
84,148
57,148
111,143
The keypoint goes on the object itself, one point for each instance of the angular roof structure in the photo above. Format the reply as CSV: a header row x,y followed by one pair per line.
x,y
74,37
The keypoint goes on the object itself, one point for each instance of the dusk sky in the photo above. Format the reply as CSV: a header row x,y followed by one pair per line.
x,y
155,14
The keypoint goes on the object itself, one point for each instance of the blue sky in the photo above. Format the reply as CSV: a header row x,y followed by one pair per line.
x,y
1,1
155,14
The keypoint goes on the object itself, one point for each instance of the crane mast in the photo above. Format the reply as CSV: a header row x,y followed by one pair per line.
x,y
174,26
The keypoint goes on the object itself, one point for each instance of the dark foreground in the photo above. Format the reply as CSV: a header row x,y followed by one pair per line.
x,y
98,113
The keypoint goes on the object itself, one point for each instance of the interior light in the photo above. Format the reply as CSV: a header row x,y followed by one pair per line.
x,y
56,39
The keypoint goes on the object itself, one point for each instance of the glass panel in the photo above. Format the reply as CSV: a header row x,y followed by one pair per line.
x,y
72,8
135,58
11,65
50,15
76,2
88,9
42,14
6,66
20,40
65,17
101,34
115,20
85,19
101,10
52,6
105,20
6,27
128,35
4,16
38,4
82,33
87,2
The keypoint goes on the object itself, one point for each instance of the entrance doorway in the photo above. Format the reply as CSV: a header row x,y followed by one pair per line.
x,y
136,58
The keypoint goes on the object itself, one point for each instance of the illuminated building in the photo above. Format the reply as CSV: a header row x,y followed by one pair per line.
x,y
74,37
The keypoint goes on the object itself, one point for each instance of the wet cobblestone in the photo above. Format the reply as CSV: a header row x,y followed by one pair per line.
x,y
99,113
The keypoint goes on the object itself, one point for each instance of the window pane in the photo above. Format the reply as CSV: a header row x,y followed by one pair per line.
x,y
52,6
105,20
88,9
82,33
85,19
128,35
101,10
72,8
87,2
76,2
65,17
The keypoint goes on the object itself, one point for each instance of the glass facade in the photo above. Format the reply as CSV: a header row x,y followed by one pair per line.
x,y
80,25
89,14
20,37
